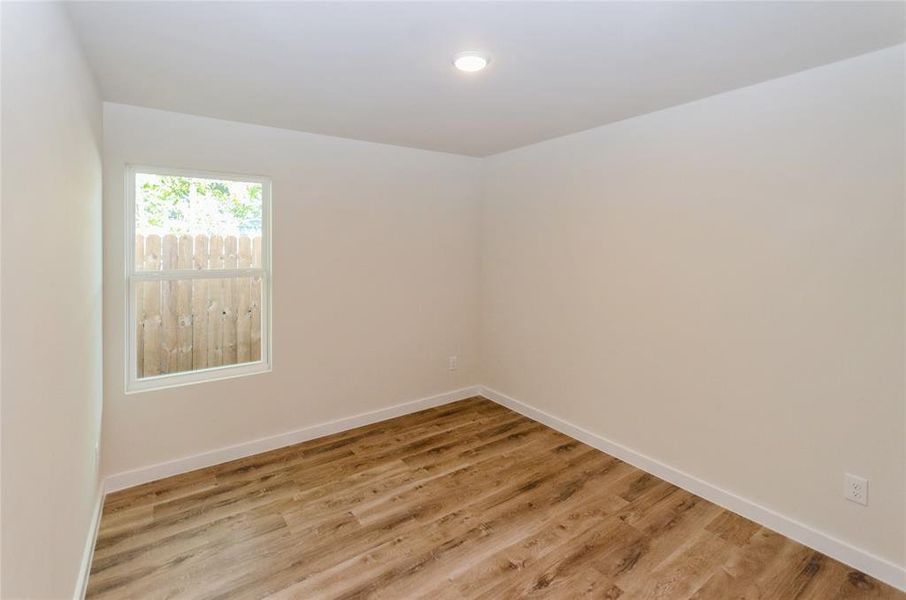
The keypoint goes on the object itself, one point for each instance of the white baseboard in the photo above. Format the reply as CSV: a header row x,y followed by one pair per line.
x,y
866,562
120,481
87,553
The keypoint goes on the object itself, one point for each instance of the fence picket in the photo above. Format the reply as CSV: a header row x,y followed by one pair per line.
x,y
215,305
243,316
169,256
150,291
230,261
184,308
255,304
200,306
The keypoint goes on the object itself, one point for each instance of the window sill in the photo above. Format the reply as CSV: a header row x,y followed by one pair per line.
x,y
162,382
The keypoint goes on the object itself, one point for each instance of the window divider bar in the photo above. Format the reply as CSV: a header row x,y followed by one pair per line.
x,y
197,274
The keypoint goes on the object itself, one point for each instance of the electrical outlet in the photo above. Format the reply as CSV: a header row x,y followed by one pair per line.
x,y
451,363
856,489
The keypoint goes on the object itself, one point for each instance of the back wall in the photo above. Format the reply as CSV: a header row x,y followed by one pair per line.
x,y
375,268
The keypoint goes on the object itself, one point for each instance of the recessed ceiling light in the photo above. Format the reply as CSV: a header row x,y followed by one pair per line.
x,y
470,61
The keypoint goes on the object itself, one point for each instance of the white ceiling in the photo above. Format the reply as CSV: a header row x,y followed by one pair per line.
x,y
381,71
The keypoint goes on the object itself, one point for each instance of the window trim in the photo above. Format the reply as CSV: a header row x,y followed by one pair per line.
x,y
132,277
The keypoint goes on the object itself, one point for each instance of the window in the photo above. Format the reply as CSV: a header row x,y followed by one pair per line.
x,y
198,269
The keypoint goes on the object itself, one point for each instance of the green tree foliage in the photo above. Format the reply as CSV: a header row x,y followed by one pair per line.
x,y
167,204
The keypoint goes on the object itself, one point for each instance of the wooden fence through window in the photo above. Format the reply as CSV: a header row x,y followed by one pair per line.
x,y
192,324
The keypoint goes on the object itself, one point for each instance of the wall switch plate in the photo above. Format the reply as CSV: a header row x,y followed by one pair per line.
x,y
856,489
451,363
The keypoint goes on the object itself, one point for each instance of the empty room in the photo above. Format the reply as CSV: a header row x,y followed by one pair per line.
x,y
453,300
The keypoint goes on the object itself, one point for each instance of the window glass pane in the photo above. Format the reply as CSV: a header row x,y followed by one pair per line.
x,y
191,324
196,223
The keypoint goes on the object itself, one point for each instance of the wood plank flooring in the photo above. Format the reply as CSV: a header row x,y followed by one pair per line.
x,y
467,500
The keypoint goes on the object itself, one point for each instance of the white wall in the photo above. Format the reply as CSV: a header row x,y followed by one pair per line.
x,y
375,282
720,286
51,301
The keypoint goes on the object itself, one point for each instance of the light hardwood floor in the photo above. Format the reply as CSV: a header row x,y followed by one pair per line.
x,y
467,500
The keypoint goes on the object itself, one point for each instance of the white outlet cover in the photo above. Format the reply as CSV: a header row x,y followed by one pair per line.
x,y
855,489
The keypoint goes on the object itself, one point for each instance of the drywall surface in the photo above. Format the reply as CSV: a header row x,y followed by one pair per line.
x,y
720,286
375,271
51,301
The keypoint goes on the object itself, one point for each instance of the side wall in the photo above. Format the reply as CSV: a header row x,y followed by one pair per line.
x,y
51,301
720,286
375,282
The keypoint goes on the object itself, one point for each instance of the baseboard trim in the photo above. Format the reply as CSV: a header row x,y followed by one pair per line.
x,y
121,481
88,552
866,562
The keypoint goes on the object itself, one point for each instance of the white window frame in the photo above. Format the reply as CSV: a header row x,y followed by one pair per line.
x,y
133,277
